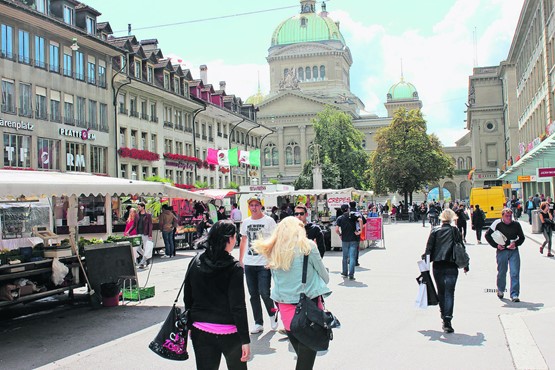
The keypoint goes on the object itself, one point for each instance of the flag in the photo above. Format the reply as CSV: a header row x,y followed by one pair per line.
x,y
250,157
233,157
218,157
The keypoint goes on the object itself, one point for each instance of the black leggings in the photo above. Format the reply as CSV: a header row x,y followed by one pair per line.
x,y
305,355
210,347
462,230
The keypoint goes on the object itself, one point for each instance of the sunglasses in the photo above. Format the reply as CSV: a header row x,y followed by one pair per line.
x,y
299,213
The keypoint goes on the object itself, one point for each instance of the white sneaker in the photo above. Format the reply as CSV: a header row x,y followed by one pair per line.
x,y
165,256
274,321
257,329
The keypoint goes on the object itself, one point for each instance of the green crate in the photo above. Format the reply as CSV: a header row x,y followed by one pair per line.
x,y
135,241
134,294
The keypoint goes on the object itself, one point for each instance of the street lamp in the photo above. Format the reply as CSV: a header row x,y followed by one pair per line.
x,y
372,196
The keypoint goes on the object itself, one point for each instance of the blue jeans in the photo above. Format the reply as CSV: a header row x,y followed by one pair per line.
x,y
258,282
508,258
350,255
168,243
529,212
446,279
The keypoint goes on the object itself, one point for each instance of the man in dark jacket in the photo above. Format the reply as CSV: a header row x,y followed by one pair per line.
x,y
350,238
313,231
507,243
478,221
143,225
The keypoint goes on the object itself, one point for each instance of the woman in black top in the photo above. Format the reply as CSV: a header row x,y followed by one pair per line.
x,y
478,222
461,220
215,298
440,249
547,227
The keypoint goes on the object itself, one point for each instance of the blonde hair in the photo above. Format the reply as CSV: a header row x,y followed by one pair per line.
x,y
279,248
132,214
543,205
447,216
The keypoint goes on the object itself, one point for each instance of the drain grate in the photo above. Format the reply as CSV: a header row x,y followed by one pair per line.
x,y
492,290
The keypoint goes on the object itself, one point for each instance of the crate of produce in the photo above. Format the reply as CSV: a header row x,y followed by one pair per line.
x,y
135,241
135,294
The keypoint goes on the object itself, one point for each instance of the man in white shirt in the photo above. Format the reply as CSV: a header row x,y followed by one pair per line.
x,y
236,216
257,226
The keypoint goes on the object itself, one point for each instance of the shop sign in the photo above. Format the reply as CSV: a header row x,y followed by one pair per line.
x,y
27,126
77,160
507,186
529,178
546,172
336,200
257,188
181,164
80,134
22,154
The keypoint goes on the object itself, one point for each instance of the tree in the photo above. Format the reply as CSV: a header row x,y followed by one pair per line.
x,y
341,155
407,158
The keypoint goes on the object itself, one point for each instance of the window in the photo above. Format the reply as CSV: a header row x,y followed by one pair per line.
x,y
179,177
271,155
40,52
168,144
322,72
300,73
68,64
23,56
98,159
121,104
80,114
123,137
8,96
41,6
169,174
292,153
123,171
315,73
91,72
17,151
101,76
285,72
144,114
40,103
153,145
134,170
69,118
134,139
154,171
144,141
166,81
133,106
176,88
55,110
144,172
25,100
307,73
79,66
54,57
91,25
137,69
68,15
153,115
49,152
75,157
7,42
103,117
93,123
150,74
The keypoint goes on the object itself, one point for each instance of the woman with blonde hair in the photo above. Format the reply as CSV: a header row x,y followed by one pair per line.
x,y
445,271
285,250
130,223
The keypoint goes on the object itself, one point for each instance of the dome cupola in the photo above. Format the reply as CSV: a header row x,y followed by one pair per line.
x,y
402,90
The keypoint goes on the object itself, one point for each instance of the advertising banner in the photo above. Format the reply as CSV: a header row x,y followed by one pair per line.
x,y
336,200
374,228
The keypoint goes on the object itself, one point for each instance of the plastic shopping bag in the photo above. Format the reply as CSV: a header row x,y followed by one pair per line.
x,y
59,271
148,249
422,296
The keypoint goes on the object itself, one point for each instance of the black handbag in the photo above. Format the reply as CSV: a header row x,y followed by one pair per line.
x,y
311,325
171,341
460,257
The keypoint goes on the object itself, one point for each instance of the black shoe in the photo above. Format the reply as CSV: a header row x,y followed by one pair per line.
x,y
499,294
515,299
352,278
344,275
447,328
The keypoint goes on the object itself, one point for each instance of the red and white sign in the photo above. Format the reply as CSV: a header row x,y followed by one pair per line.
x,y
546,172
374,228
336,200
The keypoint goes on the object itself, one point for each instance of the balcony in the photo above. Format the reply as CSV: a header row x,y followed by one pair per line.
x,y
204,137
79,122
55,117
54,68
123,110
225,136
219,134
154,119
168,124
101,83
80,76
197,135
188,129
25,112
68,73
179,126
39,64
210,138
144,116
69,121
134,113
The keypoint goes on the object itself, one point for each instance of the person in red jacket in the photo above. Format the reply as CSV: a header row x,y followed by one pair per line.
x,y
143,225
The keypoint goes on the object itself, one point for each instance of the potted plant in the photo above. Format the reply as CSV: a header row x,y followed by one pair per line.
x,y
4,256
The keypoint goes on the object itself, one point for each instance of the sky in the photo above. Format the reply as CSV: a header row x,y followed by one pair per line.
x,y
432,42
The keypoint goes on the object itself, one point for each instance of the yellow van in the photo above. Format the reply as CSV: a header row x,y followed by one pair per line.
x,y
491,200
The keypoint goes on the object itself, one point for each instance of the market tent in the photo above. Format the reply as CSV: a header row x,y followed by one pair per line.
x,y
218,194
16,184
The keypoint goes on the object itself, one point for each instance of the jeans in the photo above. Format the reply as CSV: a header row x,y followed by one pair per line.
x,y
508,258
168,243
258,282
529,212
548,235
479,233
446,279
305,355
350,254
210,347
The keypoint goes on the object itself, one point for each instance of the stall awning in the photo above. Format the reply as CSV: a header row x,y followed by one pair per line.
x,y
217,193
15,184
541,156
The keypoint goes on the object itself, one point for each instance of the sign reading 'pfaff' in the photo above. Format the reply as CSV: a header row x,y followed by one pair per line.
x,y
80,134
546,172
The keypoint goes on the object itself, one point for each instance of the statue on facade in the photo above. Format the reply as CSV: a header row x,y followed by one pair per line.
x,y
290,80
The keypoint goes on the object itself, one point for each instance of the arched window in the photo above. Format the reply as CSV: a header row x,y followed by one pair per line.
x,y
297,154
460,164
271,155
307,74
303,22
275,157
292,153
289,156
322,72
285,72
468,163
315,73
300,73
267,156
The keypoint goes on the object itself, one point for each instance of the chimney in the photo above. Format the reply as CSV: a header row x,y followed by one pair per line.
x,y
204,74
222,85
128,29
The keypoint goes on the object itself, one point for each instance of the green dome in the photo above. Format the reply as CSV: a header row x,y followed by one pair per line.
x,y
306,27
255,99
402,90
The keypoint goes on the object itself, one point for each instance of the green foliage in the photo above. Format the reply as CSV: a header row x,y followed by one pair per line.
x,y
274,181
154,206
201,185
407,158
342,158
233,185
158,179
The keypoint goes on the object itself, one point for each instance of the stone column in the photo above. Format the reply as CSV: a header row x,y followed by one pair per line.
x,y
281,149
303,144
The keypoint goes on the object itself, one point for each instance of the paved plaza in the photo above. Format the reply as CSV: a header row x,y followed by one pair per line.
x,y
381,329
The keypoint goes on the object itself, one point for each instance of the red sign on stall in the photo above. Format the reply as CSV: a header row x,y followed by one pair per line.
x,y
546,172
374,228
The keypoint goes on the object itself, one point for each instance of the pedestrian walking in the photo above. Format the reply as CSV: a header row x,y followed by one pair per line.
x,y
507,241
346,228
285,251
529,208
129,224
423,211
313,231
461,220
143,226
257,226
445,271
478,222
547,227
167,223
214,294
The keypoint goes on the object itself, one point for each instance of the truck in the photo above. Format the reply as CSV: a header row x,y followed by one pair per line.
x,y
491,200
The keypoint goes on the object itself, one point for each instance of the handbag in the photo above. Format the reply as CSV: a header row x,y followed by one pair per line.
x,y
171,341
426,285
460,257
311,325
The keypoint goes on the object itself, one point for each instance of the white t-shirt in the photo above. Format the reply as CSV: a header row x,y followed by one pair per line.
x,y
256,229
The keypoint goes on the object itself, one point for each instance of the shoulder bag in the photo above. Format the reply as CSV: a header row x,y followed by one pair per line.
x,y
460,257
311,325
171,341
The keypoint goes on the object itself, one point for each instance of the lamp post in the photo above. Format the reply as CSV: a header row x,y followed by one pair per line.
x,y
372,196
115,93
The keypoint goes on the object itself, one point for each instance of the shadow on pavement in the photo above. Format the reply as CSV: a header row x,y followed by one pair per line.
x,y
260,343
353,284
455,338
530,306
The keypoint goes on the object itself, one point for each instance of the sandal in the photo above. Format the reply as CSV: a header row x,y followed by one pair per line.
x,y
541,250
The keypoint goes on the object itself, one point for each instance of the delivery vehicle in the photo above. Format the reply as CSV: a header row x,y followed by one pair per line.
x,y
491,200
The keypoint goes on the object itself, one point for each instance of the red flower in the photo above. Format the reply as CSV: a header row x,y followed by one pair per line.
x,y
180,157
143,155
184,186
